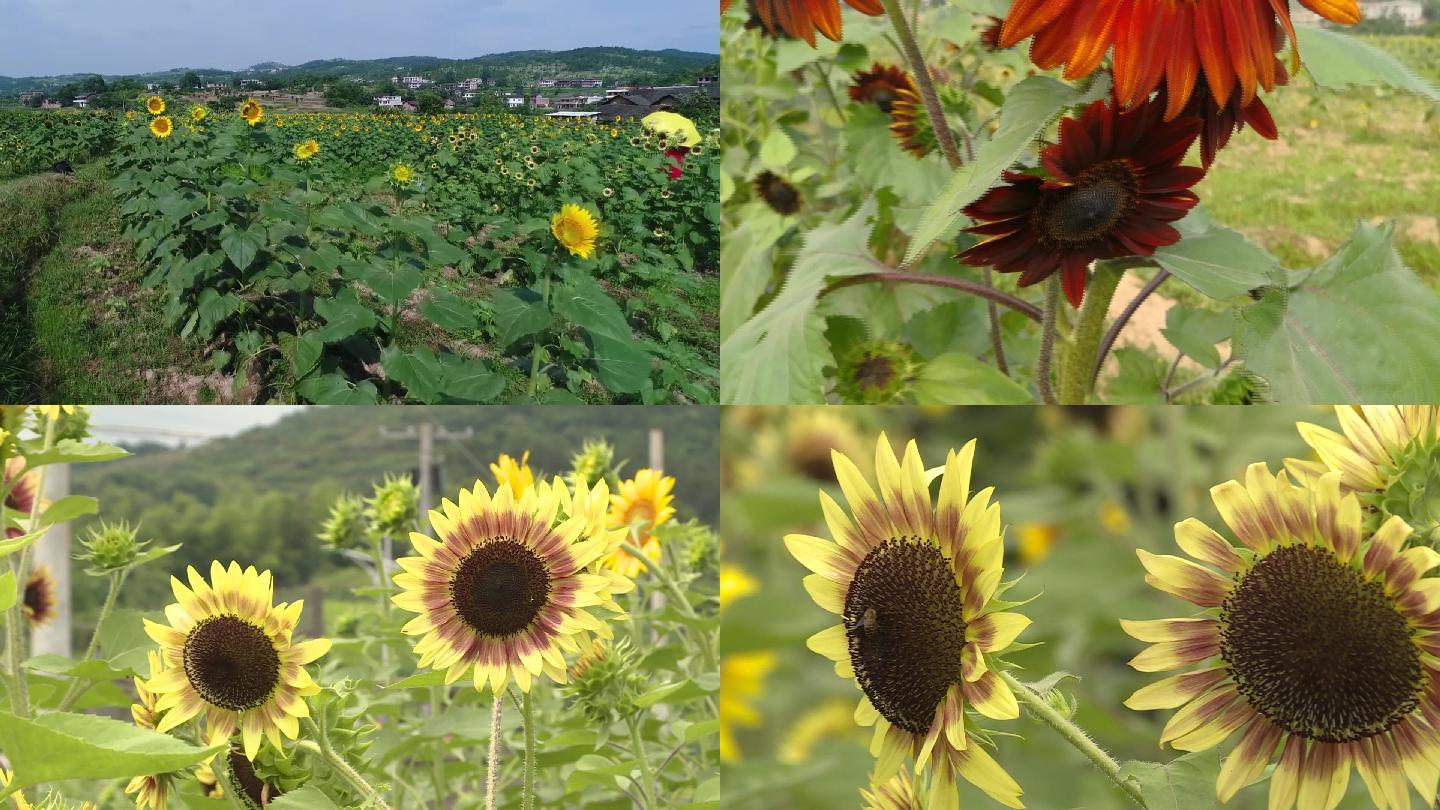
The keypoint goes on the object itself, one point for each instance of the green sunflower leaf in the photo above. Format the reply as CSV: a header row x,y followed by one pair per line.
x,y
61,746
1337,61
1184,783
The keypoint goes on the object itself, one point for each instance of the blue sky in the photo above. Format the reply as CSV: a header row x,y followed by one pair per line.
x,y
49,37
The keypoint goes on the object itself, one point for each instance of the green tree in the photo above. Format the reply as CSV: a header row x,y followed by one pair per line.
x,y
428,102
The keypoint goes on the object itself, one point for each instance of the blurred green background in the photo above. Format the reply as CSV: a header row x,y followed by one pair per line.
x,y
1080,489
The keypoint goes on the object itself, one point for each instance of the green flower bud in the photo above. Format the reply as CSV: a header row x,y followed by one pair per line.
x,y
592,464
394,509
347,526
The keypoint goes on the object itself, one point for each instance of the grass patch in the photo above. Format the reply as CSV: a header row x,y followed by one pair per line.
x,y
86,329
1340,159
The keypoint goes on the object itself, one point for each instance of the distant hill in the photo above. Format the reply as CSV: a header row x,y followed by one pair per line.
x,y
625,65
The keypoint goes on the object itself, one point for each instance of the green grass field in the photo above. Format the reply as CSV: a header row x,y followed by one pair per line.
x,y
1341,158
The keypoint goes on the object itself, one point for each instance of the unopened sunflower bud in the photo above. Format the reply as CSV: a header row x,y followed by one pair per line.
x,y
111,546
347,525
395,507
877,373
592,464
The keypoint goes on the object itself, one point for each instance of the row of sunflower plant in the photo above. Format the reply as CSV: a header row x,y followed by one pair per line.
x,y
546,643
899,176
1307,647
451,258
36,142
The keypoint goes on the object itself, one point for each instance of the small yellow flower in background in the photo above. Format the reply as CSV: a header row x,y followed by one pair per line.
x,y
229,653
54,411
832,720
402,174
252,112
735,584
161,127
643,502
1035,541
37,602
306,149
198,113
575,229
1114,519
151,791
517,474
130,116
155,105
742,679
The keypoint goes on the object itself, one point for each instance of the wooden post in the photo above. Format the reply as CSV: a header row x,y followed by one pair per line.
x,y
53,552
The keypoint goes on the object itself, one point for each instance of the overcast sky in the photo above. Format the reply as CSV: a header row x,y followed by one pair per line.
x,y
50,37
181,424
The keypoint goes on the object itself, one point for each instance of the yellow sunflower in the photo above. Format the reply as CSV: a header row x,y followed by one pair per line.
x,y
503,591
517,474
898,793
1315,642
643,503
37,603
1389,455
252,112
55,411
18,798
575,229
912,583
155,105
735,583
161,127
152,790
198,113
229,652
742,679
307,149
402,174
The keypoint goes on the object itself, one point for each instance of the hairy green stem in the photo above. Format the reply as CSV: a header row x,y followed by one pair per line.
x,y
75,689
527,796
1047,340
337,763
437,759
1076,381
682,604
652,788
1113,333
1072,733
911,48
492,765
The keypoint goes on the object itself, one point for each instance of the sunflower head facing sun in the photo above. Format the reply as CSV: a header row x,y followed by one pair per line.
x,y
229,652
37,603
575,228
402,174
252,112
152,791
912,582
155,105
162,127
1315,642
199,113
1388,455
307,149
517,475
643,503
501,591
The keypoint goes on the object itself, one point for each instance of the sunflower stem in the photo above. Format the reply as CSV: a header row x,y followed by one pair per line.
x,y
492,765
75,690
652,788
337,763
1076,381
1072,733
527,796
681,603
437,760
887,275
1125,315
535,352
992,311
908,45
1047,340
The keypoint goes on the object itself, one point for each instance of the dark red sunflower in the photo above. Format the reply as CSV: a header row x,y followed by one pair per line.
x,y
802,18
910,124
1114,184
990,33
37,603
1224,120
881,85
777,192
1232,41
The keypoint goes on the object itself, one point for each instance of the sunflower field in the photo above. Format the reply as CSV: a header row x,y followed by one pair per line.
x,y
531,641
1169,608
353,258
1004,203
34,141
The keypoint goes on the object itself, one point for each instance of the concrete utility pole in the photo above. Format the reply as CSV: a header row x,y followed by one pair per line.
x,y
53,552
425,433
657,449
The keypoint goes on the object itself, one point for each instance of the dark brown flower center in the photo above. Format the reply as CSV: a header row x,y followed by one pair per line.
x,y
231,663
35,600
500,588
778,193
1090,208
1318,649
257,792
874,372
905,624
